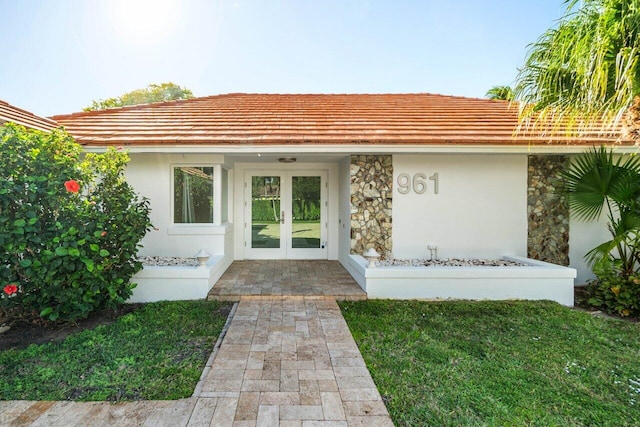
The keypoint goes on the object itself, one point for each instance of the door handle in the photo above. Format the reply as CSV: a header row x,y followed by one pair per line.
x,y
282,217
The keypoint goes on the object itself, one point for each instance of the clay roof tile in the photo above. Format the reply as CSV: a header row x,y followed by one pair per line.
x,y
13,114
316,119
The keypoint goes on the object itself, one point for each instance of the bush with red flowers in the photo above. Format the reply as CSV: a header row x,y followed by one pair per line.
x,y
72,186
10,289
70,228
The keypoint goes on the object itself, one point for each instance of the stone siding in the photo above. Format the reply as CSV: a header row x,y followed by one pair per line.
x,y
371,203
547,210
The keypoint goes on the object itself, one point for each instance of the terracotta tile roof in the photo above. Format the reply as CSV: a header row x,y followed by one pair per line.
x,y
9,113
257,119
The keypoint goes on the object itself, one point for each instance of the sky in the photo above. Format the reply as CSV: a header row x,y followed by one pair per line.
x,y
56,56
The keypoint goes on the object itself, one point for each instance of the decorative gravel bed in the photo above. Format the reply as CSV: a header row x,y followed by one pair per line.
x,y
163,261
454,262
167,261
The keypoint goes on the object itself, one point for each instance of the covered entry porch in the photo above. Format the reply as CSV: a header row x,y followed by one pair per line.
x,y
286,278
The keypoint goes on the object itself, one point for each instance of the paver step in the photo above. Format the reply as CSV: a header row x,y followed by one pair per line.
x,y
265,279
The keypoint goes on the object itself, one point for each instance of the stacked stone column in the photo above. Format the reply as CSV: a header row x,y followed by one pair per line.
x,y
371,203
547,210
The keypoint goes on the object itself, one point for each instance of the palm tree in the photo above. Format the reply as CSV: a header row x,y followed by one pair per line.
x,y
598,181
587,69
503,93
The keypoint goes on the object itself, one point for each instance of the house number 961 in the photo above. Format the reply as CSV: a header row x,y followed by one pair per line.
x,y
418,183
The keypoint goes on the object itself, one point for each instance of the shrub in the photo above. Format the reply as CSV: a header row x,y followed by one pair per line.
x,y
69,228
613,291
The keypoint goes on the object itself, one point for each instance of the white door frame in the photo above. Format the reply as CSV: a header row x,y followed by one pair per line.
x,y
285,249
337,189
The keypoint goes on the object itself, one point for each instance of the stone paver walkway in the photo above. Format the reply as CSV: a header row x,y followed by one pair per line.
x,y
267,279
287,362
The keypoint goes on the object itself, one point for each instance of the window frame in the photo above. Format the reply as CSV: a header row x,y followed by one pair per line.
x,y
216,196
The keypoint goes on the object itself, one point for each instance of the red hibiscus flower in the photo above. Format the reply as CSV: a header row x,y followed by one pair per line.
x,y
72,186
10,289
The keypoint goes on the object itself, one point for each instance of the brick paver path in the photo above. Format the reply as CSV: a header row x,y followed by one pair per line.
x,y
288,362
293,362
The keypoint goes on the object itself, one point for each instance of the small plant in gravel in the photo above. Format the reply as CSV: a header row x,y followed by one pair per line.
x,y
70,228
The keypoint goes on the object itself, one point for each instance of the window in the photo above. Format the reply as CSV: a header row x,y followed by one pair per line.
x,y
193,195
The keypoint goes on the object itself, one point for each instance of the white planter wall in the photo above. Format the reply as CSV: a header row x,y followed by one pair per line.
x,y
178,283
536,281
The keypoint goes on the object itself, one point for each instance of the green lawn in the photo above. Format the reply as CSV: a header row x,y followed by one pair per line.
x,y
267,234
155,352
499,363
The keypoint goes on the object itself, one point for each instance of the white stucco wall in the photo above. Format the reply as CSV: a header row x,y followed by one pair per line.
x,y
584,236
480,209
150,175
344,210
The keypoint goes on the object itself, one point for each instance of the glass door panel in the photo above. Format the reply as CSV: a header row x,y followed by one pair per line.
x,y
306,215
265,212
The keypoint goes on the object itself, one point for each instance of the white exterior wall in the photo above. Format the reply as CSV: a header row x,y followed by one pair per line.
x,y
150,175
480,210
344,208
584,236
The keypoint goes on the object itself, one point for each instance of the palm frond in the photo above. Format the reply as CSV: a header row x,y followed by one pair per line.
x,y
597,179
585,70
602,251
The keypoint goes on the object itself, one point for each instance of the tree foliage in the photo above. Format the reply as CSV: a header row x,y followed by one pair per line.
x,y
502,93
587,68
152,93
69,229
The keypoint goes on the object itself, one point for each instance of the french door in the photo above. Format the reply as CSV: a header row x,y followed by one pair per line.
x,y
285,214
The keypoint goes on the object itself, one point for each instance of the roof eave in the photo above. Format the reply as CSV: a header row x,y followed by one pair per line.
x,y
345,148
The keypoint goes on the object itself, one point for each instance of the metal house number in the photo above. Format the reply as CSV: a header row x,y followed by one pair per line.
x,y
418,183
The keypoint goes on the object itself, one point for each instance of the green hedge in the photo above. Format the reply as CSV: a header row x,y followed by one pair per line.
x,y
263,210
